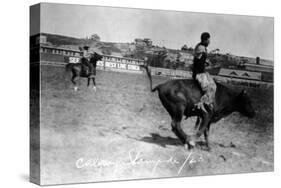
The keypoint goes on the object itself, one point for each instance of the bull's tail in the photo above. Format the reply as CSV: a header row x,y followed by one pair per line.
x,y
149,78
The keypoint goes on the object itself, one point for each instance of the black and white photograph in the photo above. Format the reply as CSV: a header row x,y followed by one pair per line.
x,y
129,93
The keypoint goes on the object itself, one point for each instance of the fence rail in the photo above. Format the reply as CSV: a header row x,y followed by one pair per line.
x,y
53,56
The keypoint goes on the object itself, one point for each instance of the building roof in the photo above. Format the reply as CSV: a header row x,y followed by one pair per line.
x,y
249,75
259,65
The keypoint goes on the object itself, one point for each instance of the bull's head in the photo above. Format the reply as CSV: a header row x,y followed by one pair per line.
x,y
244,105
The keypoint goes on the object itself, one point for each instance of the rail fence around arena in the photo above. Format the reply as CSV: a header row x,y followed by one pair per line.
x,y
59,57
177,74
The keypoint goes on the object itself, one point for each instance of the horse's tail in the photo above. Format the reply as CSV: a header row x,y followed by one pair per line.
x,y
149,78
69,66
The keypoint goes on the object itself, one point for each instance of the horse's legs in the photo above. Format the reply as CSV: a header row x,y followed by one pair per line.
x,y
74,82
89,81
88,84
73,79
94,82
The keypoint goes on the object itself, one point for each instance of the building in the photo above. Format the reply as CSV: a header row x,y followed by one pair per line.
x,y
147,41
143,42
215,51
244,78
258,67
241,74
59,56
41,39
186,57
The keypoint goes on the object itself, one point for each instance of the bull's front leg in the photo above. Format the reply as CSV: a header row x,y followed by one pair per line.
x,y
197,124
206,135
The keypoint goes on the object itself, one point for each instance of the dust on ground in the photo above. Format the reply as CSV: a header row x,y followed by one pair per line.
x,y
122,131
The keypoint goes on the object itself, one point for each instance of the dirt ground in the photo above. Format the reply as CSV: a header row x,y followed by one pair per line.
x,y
122,131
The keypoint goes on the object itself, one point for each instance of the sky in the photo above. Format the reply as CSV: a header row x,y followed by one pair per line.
x,y
240,35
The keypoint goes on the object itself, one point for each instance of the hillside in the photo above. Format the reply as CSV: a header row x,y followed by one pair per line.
x,y
157,56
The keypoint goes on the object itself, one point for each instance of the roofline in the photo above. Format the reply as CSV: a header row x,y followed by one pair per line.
x,y
239,70
246,70
238,77
259,65
61,48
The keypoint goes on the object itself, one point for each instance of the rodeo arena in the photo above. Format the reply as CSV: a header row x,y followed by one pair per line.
x,y
123,119
251,76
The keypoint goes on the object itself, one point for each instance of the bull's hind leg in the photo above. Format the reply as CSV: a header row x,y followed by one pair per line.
x,y
177,129
176,112
184,138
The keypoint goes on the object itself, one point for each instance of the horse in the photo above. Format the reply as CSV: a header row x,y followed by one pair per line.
x,y
81,70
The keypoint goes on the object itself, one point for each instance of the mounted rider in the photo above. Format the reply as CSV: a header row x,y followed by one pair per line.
x,y
204,79
89,67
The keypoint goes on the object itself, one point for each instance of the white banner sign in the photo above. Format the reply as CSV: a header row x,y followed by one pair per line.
x,y
133,67
121,66
110,64
74,59
100,63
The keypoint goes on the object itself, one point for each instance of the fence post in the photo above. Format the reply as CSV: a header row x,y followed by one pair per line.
x,y
103,62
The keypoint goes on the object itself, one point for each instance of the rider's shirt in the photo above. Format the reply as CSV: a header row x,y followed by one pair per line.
x,y
199,50
206,82
199,61
86,54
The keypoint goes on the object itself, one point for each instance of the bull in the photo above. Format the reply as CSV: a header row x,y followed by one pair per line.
x,y
179,96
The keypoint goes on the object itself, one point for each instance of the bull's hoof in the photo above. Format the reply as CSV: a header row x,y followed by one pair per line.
x,y
193,140
188,147
189,144
203,146
192,143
